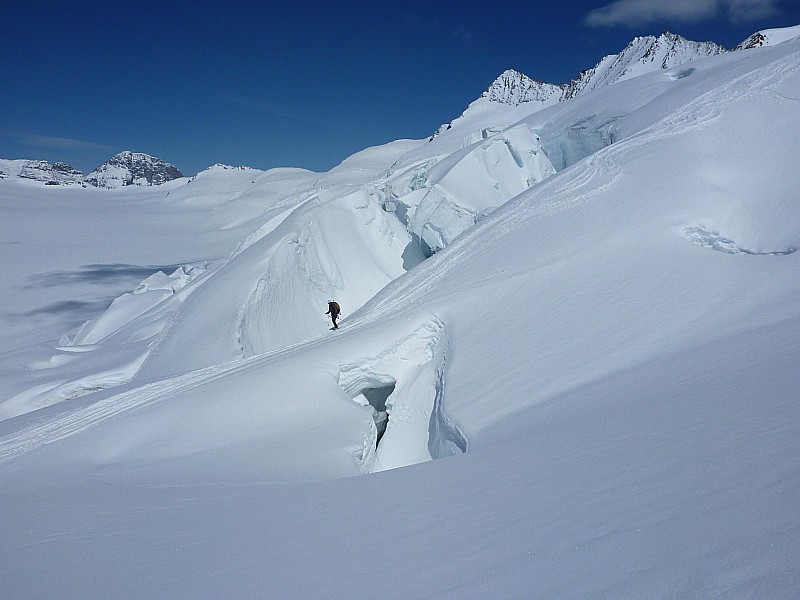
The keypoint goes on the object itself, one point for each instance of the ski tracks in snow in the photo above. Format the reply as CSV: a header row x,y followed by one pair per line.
x,y
64,425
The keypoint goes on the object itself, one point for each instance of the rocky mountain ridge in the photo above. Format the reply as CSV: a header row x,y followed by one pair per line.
x,y
132,168
642,55
769,37
126,168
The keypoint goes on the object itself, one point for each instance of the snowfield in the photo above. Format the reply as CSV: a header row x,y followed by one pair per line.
x,y
567,365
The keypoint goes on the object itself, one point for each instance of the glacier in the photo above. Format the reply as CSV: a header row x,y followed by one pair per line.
x,y
566,365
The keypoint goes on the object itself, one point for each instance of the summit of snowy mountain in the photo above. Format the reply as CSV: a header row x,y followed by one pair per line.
x,y
126,168
513,87
643,55
520,95
769,37
132,168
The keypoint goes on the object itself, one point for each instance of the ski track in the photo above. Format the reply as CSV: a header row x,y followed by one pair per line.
x,y
65,425
62,426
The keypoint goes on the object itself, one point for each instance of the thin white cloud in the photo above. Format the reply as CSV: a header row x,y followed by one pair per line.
x,y
461,33
742,11
457,31
55,143
640,12
272,108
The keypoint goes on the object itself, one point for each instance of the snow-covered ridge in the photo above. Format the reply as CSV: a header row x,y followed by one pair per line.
x,y
126,168
643,55
41,170
769,37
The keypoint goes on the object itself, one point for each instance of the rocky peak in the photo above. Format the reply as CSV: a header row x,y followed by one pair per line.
x,y
769,37
642,55
512,88
515,88
41,170
754,41
132,168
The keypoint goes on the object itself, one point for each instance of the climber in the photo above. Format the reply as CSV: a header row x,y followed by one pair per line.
x,y
333,311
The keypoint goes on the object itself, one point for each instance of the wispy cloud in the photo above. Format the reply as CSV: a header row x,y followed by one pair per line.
x,y
51,142
743,11
457,31
461,33
639,12
272,108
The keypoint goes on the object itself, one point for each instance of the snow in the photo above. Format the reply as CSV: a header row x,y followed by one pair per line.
x,y
40,170
770,37
588,389
641,56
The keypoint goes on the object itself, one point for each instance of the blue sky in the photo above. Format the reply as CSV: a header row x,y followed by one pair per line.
x,y
301,84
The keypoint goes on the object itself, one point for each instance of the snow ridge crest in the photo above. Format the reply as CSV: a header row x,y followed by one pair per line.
x,y
769,37
41,170
642,55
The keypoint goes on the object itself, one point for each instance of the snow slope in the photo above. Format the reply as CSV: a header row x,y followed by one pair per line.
x,y
769,37
604,360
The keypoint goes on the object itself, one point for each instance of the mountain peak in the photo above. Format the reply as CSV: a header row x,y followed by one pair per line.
x,y
132,168
515,88
769,37
642,55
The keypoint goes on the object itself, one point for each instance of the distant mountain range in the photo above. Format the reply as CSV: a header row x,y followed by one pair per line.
x,y
126,168
642,55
